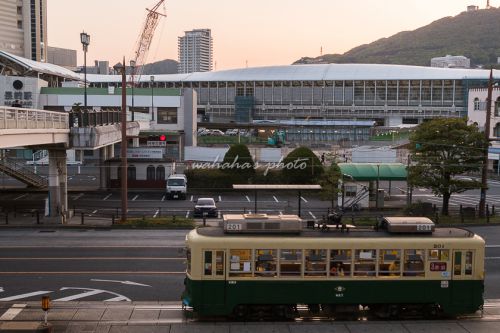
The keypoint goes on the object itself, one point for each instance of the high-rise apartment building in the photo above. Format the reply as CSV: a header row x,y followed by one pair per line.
x,y
23,28
195,51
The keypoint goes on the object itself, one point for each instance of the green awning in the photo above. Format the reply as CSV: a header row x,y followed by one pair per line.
x,y
374,171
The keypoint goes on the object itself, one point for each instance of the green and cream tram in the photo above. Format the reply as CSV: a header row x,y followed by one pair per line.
x,y
250,267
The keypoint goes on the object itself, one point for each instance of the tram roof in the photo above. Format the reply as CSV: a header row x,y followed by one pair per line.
x,y
319,72
353,233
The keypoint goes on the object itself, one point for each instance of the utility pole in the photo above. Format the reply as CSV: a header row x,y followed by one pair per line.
x,y
484,174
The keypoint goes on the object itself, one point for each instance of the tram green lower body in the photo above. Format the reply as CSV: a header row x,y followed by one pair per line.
x,y
214,298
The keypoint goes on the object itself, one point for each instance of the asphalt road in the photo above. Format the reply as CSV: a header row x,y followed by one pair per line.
x,y
119,265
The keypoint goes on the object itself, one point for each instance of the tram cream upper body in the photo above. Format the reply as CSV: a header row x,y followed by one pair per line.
x,y
197,243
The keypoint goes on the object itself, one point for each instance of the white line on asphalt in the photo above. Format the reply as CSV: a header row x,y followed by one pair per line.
x,y
492,258
107,197
248,199
163,198
219,214
191,199
275,199
312,215
131,283
78,296
135,198
493,246
95,211
281,213
16,297
117,299
156,213
13,312
187,214
220,198
78,196
304,199
21,196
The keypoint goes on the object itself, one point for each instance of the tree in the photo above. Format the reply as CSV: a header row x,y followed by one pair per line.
x,y
442,149
238,163
330,183
302,166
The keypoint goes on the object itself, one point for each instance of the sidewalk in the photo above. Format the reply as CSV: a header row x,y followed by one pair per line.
x,y
139,317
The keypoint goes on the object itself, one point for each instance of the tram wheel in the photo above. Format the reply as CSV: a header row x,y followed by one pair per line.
x,y
240,312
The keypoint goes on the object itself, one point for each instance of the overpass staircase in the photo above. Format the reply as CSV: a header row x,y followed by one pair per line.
x,y
22,173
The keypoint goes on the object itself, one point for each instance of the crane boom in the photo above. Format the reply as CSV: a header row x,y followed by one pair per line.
x,y
145,39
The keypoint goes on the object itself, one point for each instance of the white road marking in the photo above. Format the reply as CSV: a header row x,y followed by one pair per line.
x,y
156,213
493,246
191,199
492,258
248,199
312,215
163,198
21,196
16,297
135,198
281,213
220,198
13,312
130,283
219,213
187,214
117,299
275,199
304,199
78,296
93,178
78,196
95,211
107,197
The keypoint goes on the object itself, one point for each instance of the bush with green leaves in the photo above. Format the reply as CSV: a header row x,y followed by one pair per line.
x,y
302,166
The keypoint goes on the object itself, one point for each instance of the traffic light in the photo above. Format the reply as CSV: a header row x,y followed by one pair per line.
x,y
163,137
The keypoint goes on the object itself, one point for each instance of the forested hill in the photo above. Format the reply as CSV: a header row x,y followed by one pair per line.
x,y
475,35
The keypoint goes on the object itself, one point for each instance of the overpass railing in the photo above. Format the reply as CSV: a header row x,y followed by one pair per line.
x,y
15,118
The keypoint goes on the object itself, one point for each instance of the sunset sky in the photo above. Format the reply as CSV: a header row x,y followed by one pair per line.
x,y
262,32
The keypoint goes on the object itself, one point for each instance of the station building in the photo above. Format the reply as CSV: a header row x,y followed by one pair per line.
x,y
315,95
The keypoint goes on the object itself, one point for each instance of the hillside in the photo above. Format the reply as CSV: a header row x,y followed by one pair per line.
x,y
475,35
166,66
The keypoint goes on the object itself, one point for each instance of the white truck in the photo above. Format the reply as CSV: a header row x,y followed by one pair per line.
x,y
176,186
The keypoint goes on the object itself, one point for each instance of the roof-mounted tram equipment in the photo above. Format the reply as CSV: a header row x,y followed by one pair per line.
x,y
262,223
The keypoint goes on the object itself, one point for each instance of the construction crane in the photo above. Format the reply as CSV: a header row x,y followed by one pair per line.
x,y
145,39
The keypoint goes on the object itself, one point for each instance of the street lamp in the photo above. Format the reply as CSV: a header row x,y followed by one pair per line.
x,y
132,65
152,79
120,68
85,40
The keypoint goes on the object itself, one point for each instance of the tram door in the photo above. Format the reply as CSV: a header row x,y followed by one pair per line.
x,y
462,269
214,277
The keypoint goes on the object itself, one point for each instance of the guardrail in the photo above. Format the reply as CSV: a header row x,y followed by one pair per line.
x,y
16,118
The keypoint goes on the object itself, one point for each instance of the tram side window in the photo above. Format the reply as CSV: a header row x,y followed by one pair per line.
x,y
219,263
290,262
265,262
240,263
315,262
389,263
414,263
207,263
340,262
439,255
364,262
468,262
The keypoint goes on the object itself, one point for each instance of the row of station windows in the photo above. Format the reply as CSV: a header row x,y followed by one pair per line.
x,y
335,263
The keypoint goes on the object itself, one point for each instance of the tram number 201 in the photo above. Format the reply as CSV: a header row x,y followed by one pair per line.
x,y
233,226
424,227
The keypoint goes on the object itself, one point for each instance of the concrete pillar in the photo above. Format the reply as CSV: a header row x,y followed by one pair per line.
x,y
103,175
58,185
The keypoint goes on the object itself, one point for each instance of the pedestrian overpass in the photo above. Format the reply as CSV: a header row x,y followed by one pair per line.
x,y
52,131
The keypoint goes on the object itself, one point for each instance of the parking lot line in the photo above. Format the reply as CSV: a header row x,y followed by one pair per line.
x,y
304,199
163,198
78,196
275,199
187,214
135,198
248,199
156,213
312,215
107,197
21,196
95,211
220,198
191,199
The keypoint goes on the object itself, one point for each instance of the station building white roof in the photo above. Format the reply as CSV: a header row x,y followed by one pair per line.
x,y
320,72
40,67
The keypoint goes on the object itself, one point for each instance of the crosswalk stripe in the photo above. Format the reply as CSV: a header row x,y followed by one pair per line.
x,y
13,312
117,299
16,297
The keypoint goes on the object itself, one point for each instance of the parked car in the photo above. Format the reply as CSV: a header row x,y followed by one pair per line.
x,y
205,206
216,132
